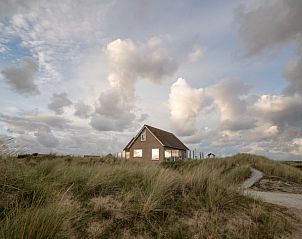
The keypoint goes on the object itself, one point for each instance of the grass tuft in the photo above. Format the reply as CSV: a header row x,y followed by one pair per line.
x,y
96,198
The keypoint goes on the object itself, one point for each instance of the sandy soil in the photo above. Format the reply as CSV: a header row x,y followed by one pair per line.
x,y
254,178
292,201
277,184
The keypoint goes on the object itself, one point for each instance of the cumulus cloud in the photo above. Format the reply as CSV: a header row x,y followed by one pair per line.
x,y
230,99
268,26
185,104
58,102
226,95
21,78
247,122
46,138
82,110
111,104
112,113
280,110
130,62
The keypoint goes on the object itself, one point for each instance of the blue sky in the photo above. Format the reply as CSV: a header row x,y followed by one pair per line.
x,y
81,77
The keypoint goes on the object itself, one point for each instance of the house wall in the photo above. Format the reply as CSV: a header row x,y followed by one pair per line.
x,y
146,146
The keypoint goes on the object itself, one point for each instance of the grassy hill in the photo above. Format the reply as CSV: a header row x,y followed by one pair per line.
x,y
297,164
65,197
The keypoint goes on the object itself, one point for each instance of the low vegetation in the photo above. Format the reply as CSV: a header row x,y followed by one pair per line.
x,y
296,164
69,197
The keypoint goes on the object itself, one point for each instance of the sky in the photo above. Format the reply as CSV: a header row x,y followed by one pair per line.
x,y
82,77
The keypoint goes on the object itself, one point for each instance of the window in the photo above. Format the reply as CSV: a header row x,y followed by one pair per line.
x,y
171,153
137,153
143,136
155,154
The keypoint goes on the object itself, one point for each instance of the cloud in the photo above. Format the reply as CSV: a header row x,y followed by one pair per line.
x,y
196,54
230,99
58,102
112,113
21,78
8,7
280,110
227,96
265,124
46,138
293,73
56,33
238,123
103,123
269,24
82,110
111,104
33,122
185,104
129,62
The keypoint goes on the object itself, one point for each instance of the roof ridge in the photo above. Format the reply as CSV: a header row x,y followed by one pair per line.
x,y
159,129
166,138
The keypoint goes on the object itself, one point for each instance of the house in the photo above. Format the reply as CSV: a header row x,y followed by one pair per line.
x,y
155,144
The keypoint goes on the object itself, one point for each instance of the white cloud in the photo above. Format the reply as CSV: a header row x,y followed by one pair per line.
x,y
21,78
281,110
129,62
226,95
196,54
55,32
185,104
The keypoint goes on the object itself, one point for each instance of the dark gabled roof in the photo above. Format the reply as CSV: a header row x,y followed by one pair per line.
x,y
130,143
166,138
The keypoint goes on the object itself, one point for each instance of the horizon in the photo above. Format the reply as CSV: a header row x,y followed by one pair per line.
x,y
82,77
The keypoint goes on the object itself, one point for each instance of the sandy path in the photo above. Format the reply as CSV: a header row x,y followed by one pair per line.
x,y
254,178
289,200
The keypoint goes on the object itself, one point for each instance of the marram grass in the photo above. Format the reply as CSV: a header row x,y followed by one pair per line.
x,y
79,198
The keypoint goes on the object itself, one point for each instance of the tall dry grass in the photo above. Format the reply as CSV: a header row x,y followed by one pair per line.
x,y
74,198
